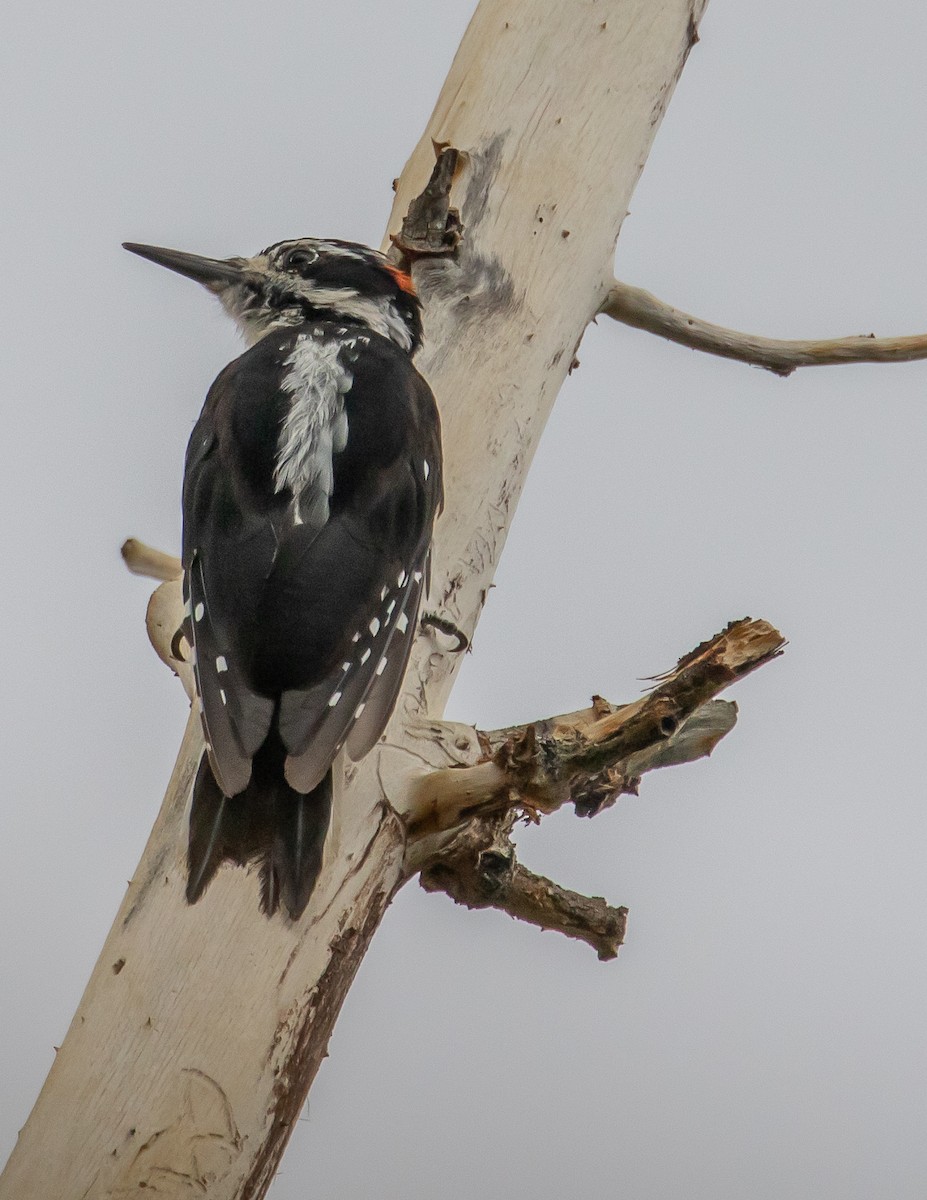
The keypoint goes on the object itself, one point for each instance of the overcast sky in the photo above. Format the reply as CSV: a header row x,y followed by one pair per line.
x,y
762,1034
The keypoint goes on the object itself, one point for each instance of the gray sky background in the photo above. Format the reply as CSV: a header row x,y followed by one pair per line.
x,y
763,1031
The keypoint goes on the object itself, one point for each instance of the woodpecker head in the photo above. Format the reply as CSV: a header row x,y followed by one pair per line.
x,y
305,279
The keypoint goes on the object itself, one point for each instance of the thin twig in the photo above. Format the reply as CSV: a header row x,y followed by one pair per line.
x,y
633,306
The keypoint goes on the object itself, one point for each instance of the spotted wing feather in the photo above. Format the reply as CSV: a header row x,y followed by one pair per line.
x,y
384,689
316,722
235,718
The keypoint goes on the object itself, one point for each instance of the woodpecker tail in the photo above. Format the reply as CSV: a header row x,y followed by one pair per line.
x,y
268,823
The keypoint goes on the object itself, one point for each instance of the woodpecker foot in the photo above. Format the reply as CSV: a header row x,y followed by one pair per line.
x,y
443,625
183,634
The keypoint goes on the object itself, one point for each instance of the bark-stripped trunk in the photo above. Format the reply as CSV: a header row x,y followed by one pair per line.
x,y
202,1028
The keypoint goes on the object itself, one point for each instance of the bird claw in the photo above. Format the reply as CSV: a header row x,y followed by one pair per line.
x,y
443,625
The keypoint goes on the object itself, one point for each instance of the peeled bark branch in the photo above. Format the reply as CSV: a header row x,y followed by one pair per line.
x,y
592,761
633,306
462,817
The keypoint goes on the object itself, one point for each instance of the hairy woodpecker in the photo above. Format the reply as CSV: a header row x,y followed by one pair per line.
x,y
312,481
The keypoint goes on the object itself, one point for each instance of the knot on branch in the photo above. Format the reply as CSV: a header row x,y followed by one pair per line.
x,y
520,757
592,794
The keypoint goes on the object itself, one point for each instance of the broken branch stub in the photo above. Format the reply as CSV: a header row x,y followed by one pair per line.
x,y
431,227
480,870
593,757
590,758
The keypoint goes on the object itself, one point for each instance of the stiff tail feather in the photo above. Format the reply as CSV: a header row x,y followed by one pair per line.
x,y
268,823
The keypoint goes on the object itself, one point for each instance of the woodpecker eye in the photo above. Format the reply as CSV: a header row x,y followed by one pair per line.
x,y
299,260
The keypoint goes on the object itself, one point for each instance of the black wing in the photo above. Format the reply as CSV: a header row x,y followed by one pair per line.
x,y
236,718
313,620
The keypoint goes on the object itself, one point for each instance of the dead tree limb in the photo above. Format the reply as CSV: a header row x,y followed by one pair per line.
x,y
479,870
633,306
588,759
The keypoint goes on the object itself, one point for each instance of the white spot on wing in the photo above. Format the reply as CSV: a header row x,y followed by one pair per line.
x,y
365,656
400,578
417,576
336,696
402,622
222,696
381,665
389,609
374,626
221,664
357,712
355,637
199,612
425,467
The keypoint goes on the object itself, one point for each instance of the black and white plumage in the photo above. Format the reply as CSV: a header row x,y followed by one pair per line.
x,y
312,481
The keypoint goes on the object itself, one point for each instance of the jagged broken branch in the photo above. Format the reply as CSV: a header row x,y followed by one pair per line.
x,y
634,306
465,815
592,757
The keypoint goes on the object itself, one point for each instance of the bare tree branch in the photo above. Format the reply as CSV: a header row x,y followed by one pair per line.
x,y
633,306
591,762
462,820
479,870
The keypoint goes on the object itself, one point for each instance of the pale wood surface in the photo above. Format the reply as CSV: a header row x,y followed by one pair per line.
x,y
201,1028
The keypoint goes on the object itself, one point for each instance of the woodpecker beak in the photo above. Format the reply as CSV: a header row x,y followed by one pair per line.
x,y
214,273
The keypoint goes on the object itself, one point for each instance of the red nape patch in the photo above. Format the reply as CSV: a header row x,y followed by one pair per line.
x,y
403,278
